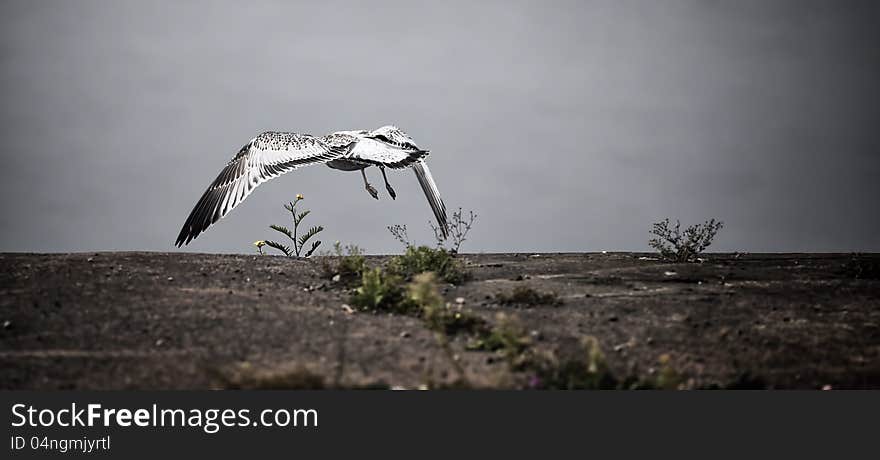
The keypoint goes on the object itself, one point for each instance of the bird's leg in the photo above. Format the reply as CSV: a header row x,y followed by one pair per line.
x,y
387,185
369,187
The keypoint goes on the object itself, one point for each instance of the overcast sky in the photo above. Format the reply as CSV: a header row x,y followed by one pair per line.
x,y
565,126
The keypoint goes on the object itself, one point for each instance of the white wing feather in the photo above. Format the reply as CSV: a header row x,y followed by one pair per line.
x,y
267,156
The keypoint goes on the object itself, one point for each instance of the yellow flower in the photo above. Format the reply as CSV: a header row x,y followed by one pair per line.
x,y
260,243
299,196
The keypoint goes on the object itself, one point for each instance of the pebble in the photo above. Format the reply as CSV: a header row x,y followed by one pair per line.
x,y
612,318
7,324
404,335
170,278
336,278
459,300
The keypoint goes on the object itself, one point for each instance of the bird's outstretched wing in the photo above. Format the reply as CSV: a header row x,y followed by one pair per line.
x,y
267,156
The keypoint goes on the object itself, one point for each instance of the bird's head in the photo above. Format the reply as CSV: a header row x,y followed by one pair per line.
x,y
391,134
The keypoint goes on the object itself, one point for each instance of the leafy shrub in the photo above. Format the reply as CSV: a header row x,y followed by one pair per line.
x,y
424,259
380,292
676,246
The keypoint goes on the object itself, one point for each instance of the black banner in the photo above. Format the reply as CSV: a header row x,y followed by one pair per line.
x,y
229,424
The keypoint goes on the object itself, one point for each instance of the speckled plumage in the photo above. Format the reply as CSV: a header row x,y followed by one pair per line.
x,y
272,154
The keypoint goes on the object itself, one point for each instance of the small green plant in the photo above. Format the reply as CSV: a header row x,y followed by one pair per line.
x,y
667,377
299,241
437,314
346,262
507,335
380,291
676,246
457,230
586,370
526,296
444,320
424,259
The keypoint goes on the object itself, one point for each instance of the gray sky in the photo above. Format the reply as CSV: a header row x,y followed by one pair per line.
x,y
565,126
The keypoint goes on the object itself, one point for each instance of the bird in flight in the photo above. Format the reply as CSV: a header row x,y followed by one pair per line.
x,y
272,154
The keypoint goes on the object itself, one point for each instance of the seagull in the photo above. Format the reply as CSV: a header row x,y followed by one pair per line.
x,y
272,154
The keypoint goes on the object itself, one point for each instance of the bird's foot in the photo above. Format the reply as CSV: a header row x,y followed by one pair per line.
x,y
372,191
391,191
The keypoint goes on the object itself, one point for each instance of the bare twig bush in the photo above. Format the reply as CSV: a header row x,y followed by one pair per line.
x,y
457,228
678,246
399,233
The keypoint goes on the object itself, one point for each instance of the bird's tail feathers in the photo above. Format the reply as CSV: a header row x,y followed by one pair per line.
x,y
433,195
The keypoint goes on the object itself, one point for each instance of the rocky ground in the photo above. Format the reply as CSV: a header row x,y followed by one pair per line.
x,y
178,320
